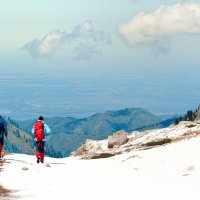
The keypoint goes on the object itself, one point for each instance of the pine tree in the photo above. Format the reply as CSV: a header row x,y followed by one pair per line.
x,y
189,116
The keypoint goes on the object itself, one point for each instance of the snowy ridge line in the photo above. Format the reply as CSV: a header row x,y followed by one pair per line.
x,y
92,149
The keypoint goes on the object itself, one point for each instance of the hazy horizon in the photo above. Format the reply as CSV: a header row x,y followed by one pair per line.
x,y
75,58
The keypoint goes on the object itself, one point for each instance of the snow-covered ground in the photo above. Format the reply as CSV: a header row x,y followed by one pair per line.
x,y
166,172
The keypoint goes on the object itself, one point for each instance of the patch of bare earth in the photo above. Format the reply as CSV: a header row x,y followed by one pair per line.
x,y
3,191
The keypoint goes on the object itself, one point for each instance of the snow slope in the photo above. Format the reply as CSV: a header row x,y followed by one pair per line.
x,y
166,172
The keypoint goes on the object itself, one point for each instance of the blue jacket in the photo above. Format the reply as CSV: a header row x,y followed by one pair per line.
x,y
4,124
47,131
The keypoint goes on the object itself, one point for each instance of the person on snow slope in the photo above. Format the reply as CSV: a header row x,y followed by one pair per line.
x,y
40,131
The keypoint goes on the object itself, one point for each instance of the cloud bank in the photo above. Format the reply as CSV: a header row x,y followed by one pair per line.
x,y
84,40
165,22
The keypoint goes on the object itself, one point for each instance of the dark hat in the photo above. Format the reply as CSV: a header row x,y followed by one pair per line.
x,y
41,118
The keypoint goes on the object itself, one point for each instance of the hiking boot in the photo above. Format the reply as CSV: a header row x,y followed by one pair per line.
x,y
42,161
38,160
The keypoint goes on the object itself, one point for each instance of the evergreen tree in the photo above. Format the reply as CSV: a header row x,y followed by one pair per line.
x,y
50,151
189,116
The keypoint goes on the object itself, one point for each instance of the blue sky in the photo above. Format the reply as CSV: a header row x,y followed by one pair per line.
x,y
134,53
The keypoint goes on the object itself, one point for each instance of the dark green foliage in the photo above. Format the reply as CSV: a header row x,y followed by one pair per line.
x,y
13,122
16,133
18,141
11,147
189,116
176,121
52,153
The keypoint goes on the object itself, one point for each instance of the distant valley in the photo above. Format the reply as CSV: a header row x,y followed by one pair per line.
x,y
70,133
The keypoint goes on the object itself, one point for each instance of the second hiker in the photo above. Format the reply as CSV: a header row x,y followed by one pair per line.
x,y
40,131
3,131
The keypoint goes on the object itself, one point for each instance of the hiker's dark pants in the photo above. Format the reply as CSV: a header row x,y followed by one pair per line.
x,y
2,141
1,144
40,149
40,146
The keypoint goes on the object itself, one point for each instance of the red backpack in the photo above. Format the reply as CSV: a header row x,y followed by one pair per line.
x,y
39,130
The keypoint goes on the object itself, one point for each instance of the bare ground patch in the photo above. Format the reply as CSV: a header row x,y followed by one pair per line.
x,y
3,191
158,142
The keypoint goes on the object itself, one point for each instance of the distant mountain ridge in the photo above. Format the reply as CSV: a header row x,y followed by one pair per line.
x,y
70,133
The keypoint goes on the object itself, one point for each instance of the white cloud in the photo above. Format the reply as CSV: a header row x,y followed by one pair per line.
x,y
48,45
87,31
83,30
165,22
83,39
88,41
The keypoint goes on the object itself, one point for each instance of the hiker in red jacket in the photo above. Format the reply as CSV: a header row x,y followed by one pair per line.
x,y
40,131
